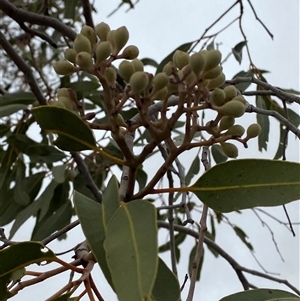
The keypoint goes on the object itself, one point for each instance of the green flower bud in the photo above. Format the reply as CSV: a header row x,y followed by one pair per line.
x,y
169,67
213,73
160,81
121,121
240,98
63,92
103,51
236,130
160,94
230,150
138,81
111,38
212,59
111,75
126,69
230,92
216,82
226,122
253,130
138,65
217,97
180,58
84,60
57,104
197,62
89,32
82,43
232,108
70,55
121,37
130,52
64,68
66,101
102,30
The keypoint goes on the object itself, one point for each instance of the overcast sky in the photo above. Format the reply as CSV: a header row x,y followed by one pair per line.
x,y
157,28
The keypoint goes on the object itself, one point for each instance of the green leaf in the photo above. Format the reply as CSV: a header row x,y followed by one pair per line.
x,y
149,62
191,260
23,254
59,173
83,88
23,98
259,295
194,170
238,51
179,238
243,236
131,250
264,122
243,86
94,218
248,183
166,286
184,47
42,153
73,133
70,8
279,152
56,221
291,91
141,177
42,203
218,154
11,109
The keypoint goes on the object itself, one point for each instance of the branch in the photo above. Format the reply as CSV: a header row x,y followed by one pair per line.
x,y
235,265
89,182
279,93
288,124
258,19
21,64
60,232
87,12
20,15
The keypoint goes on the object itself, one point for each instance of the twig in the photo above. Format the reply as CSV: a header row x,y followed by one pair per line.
x,y
183,202
89,182
60,232
279,93
203,229
40,34
20,15
215,22
251,109
87,12
258,19
235,265
171,223
21,64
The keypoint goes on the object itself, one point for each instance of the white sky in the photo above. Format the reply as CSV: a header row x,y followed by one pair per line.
x,y
157,28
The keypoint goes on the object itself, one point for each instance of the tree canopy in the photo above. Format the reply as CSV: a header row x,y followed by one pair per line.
x,y
93,136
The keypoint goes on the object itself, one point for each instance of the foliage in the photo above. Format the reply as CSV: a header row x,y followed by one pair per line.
x,y
96,118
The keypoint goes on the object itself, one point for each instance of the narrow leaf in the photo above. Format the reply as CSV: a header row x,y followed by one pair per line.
x,y
259,295
264,122
166,286
243,86
73,133
238,51
248,183
149,62
23,253
218,154
94,218
11,109
131,250
184,47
